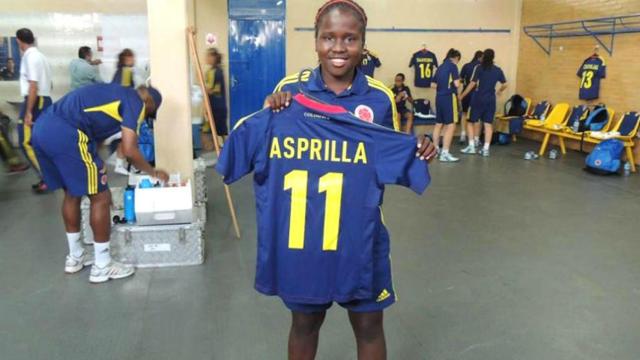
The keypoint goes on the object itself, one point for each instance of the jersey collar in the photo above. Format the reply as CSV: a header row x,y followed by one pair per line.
x,y
360,85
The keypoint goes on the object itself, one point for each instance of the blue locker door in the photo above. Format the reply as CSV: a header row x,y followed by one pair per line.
x,y
256,63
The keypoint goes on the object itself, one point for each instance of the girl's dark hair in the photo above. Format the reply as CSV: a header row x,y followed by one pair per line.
x,y
349,5
401,75
124,54
215,53
477,55
453,53
487,58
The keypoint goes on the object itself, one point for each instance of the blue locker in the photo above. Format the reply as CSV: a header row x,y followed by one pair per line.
x,y
256,53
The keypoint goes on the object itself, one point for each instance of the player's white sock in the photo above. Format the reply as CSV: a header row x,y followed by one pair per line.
x,y
119,162
75,247
476,139
463,134
103,254
445,151
486,146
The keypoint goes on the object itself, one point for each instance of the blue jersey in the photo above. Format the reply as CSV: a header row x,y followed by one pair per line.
x,y
590,73
124,77
445,77
367,97
369,64
100,110
319,175
486,80
424,63
467,71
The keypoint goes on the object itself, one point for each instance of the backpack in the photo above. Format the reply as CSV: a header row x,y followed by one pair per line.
x,y
605,157
423,113
596,120
515,106
146,141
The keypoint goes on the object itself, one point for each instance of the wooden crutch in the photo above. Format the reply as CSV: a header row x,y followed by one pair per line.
x,y
191,33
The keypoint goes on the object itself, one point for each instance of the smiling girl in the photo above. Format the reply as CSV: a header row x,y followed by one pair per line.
x,y
340,31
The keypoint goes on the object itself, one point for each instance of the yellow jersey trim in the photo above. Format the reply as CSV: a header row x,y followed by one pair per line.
x,y
394,111
110,109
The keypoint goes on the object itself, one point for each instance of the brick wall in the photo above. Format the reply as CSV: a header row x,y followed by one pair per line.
x,y
554,77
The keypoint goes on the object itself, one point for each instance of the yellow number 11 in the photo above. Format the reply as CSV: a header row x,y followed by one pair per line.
x,y
331,183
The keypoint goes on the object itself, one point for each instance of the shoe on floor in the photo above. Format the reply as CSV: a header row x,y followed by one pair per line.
x,y
18,168
447,157
470,149
40,188
73,265
113,270
119,169
484,152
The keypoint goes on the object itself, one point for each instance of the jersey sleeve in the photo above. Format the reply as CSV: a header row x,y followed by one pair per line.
x,y
501,77
579,73
240,153
133,111
412,62
396,161
435,60
408,91
475,74
602,71
455,75
376,62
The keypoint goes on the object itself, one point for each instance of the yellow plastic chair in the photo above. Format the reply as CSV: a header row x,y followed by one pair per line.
x,y
554,121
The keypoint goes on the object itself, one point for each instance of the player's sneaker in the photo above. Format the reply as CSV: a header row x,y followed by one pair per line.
x,y
447,157
470,149
120,169
41,188
73,264
485,153
113,270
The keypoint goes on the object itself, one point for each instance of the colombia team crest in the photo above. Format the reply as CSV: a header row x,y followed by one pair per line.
x,y
364,113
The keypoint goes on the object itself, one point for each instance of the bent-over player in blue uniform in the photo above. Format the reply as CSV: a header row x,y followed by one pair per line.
x,y
66,141
483,105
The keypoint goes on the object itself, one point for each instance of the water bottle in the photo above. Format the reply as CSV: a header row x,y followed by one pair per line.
x,y
627,168
129,205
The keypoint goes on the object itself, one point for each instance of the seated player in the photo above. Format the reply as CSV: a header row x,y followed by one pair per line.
x,y
447,105
402,94
66,144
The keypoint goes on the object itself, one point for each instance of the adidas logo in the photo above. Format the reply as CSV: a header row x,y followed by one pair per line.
x,y
383,295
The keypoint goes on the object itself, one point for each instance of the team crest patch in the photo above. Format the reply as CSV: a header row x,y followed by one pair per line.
x,y
598,162
103,179
364,113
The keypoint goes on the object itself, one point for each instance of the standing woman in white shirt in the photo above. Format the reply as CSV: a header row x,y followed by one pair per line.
x,y
35,88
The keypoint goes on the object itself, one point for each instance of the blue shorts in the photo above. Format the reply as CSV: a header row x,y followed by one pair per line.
x,y
447,111
466,102
68,157
383,291
483,111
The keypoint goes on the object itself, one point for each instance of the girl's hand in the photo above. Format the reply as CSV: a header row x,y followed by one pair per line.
x,y
278,101
426,149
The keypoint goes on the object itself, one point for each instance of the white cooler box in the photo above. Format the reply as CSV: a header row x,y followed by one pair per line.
x,y
161,245
164,205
